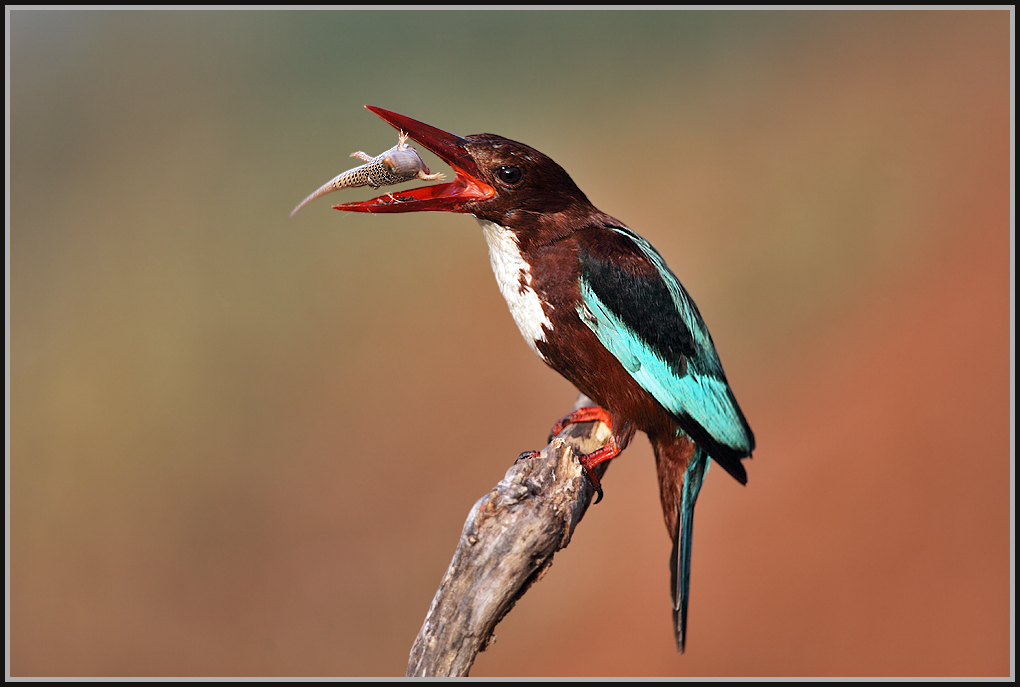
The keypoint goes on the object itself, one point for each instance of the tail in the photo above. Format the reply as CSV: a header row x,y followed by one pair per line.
x,y
344,180
682,466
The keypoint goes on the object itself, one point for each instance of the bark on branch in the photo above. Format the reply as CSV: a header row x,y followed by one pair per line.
x,y
507,544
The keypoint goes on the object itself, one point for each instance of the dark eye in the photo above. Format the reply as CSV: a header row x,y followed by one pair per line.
x,y
509,174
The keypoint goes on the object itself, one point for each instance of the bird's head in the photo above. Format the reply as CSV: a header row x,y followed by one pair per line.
x,y
497,179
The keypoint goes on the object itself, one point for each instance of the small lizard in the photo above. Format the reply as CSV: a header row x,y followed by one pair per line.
x,y
398,164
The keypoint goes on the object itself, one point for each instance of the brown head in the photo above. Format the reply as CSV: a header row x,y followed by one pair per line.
x,y
497,179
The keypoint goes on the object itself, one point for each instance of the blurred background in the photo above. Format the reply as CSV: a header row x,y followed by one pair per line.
x,y
242,444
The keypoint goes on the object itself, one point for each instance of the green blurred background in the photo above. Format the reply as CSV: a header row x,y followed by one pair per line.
x,y
242,444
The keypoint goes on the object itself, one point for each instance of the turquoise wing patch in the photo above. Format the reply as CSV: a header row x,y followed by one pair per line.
x,y
703,396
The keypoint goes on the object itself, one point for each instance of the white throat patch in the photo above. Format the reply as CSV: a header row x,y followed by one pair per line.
x,y
513,275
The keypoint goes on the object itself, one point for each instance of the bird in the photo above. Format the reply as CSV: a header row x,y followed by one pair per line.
x,y
599,305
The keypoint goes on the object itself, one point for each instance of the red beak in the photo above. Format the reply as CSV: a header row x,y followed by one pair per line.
x,y
468,185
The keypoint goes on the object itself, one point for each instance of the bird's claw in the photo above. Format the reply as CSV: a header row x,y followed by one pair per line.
x,y
589,472
526,455
586,414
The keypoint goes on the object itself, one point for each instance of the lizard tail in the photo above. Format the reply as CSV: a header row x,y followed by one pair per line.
x,y
346,180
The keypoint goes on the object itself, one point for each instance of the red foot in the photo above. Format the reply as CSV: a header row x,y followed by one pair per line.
x,y
587,414
528,454
590,460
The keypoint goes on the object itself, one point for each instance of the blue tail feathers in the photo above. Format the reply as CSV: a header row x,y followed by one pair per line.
x,y
680,561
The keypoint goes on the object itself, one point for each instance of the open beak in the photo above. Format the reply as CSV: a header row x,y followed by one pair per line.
x,y
467,187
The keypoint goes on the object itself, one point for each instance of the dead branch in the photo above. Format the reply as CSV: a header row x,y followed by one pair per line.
x,y
507,544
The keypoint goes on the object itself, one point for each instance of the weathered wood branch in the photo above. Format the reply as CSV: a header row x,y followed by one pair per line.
x,y
507,544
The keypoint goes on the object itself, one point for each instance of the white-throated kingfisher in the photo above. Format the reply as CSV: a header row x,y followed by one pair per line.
x,y
599,305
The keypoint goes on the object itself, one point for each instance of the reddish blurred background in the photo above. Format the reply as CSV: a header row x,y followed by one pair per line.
x,y
245,445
